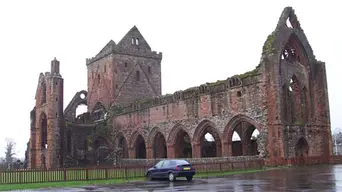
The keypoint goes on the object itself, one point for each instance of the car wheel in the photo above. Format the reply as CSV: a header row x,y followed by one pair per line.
x,y
189,178
149,177
172,177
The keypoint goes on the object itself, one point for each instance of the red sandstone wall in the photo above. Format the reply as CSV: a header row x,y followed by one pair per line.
x,y
217,110
100,82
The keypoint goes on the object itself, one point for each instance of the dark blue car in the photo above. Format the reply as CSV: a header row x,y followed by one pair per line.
x,y
171,169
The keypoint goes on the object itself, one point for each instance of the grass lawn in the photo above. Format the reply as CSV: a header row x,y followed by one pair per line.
x,y
6,187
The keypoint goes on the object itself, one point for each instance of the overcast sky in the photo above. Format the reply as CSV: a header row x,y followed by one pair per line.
x,y
201,41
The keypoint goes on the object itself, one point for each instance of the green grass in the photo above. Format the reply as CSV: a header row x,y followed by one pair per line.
x,y
6,187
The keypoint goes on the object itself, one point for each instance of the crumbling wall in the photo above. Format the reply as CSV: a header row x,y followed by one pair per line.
x,y
80,98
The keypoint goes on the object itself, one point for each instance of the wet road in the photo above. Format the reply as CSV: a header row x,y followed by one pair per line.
x,y
315,178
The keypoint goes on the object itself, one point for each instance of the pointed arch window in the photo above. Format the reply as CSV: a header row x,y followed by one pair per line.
x,y
43,93
138,75
294,51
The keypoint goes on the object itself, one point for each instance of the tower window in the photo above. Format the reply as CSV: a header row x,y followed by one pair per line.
x,y
138,75
137,41
125,64
239,94
149,70
133,41
98,78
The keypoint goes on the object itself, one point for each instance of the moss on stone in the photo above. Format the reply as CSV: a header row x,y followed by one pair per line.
x,y
299,122
268,45
218,82
247,74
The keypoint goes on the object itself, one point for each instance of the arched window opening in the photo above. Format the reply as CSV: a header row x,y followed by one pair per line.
x,y
302,148
295,101
210,142
43,92
149,70
208,146
44,131
236,144
81,109
138,75
288,23
294,52
101,150
253,143
244,139
44,142
140,148
183,148
98,112
159,146
137,41
123,145
133,41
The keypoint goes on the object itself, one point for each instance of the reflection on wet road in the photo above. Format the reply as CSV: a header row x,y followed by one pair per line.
x,y
314,178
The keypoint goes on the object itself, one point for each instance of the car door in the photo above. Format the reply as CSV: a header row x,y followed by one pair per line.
x,y
164,170
156,171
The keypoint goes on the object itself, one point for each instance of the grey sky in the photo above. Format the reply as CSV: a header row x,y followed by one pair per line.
x,y
201,41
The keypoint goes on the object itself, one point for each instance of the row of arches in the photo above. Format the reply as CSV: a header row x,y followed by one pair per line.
x,y
183,147
241,139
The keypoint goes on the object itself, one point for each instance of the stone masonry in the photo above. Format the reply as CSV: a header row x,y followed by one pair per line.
x,y
285,98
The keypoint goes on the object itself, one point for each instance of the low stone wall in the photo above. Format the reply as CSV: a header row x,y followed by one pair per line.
x,y
299,161
336,159
212,160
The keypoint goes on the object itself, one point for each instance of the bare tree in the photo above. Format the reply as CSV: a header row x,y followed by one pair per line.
x,y
9,151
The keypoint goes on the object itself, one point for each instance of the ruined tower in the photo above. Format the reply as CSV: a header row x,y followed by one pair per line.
x,y
46,131
123,72
296,91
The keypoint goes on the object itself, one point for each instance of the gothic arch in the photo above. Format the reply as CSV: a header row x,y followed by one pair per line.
x,y
203,127
229,129
157,142
294,51
138,143
294,32
101,147
43,91
294,101
174,131
208,148
302,148
121,142
152,135
180,141
98,105
133,139
98,111
244,126
43,126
